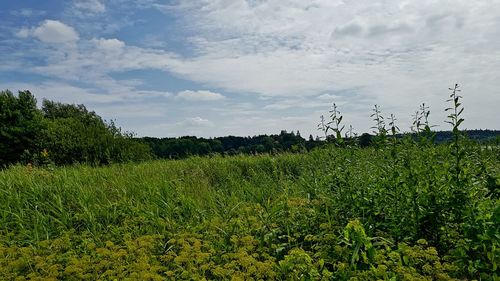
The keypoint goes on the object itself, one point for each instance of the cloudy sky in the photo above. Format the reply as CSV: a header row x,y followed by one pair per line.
x,y
236,67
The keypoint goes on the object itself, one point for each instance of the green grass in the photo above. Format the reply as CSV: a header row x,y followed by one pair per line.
x,y
335,213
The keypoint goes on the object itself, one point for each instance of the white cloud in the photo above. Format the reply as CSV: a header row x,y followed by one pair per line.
x,y
132,112
276,49
110,45
151,94
305,54
197,122
201,95
63,92
127,108
88,7
329,97
52,31
23,33
101,57
394,54
283,104
28,12
113,92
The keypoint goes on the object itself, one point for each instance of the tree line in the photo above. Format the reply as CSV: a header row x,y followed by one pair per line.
x,y
63,134
60,134
176,148
182,147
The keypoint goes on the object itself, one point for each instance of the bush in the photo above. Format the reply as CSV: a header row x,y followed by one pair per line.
x,y
20,126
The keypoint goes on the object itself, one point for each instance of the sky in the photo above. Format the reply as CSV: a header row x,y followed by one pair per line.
x,y
247,67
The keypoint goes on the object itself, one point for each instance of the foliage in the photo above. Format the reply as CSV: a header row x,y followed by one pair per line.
x,y
415,211
80,136
178,148
60,134
333,213
20,126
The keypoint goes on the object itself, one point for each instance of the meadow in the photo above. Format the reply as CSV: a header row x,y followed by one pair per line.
x,y
407,210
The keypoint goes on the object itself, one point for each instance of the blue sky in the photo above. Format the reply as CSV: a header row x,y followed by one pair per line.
x,y
219,67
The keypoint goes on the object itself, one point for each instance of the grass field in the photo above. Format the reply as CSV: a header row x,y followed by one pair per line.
x,y
408,212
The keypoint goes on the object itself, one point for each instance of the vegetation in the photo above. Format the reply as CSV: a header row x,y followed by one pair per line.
x,y
334,213
178,148
20,125
402,208
60,134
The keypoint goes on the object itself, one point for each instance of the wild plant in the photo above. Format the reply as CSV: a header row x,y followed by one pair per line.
x,y
428,136
379,121
455,120
335,123
362,249
394,128
417,122
322,126
351,136
394,131
350,133
424,111
379,128
458,181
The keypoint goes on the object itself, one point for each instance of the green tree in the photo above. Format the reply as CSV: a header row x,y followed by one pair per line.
x,y
365,140
20,126
75,134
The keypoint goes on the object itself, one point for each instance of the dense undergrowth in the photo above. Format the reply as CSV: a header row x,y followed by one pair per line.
x,y
402,212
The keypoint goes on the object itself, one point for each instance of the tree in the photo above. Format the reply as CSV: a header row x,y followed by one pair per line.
x,y
74,134
365,140
20,126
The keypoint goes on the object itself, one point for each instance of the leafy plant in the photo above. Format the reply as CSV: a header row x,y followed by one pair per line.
x,y
455,120
20,127
379,128
335,124
360,244
323,126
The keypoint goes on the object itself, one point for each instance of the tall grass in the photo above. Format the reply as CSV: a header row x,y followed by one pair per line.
x,y
281,201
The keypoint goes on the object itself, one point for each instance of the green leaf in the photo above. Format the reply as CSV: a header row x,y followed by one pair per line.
x,y
405,260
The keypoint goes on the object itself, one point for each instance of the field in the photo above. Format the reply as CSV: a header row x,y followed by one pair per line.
x,y
403,212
